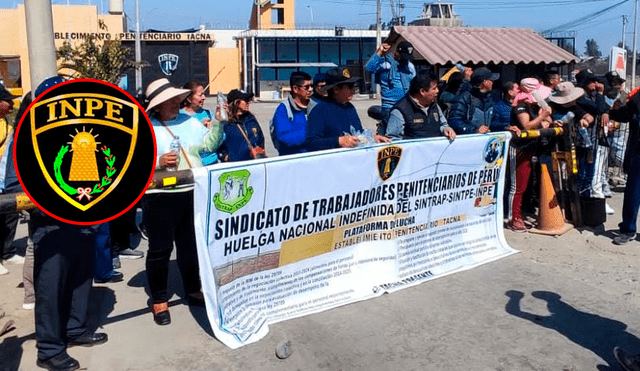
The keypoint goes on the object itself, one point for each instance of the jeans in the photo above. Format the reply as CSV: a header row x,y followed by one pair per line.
x,y
103,265
631,197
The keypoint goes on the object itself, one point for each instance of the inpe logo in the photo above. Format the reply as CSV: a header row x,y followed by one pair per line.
x,y
85,152
168,63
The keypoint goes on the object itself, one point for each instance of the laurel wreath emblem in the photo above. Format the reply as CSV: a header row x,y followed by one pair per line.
x,y
107,179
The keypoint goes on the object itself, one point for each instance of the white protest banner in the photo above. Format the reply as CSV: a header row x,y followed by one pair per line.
x,y
286,237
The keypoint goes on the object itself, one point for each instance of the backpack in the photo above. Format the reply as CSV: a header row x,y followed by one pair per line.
x,y
272,127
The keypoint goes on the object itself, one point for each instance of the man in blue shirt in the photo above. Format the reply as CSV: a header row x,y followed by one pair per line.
x,y
332,122
393,74
289,122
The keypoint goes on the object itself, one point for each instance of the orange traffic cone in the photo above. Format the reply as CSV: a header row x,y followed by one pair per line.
x,y
550,218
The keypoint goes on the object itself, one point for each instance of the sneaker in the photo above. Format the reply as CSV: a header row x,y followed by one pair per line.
x,y
116,263
624,238
517,225
143,232
130,254
609,209
606,190
3,270
16,259
627,361
28,306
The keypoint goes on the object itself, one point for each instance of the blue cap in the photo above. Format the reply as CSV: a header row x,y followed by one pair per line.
x,y
319,77
47,83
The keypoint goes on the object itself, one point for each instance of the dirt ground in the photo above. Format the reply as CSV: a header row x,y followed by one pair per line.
x,y
562,303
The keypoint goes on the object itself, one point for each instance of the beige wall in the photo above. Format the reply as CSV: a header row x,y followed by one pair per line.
x,y
66,19
69,21
229,78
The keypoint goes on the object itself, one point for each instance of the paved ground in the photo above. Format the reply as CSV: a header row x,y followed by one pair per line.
x,y
561,304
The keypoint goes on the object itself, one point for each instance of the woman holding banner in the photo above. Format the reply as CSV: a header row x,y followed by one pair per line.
x,y
179,141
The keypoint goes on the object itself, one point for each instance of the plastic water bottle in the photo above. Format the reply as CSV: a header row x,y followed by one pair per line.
x,y
223,112
174,147
584,134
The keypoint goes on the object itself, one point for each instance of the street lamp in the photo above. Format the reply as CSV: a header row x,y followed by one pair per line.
x,y
310,11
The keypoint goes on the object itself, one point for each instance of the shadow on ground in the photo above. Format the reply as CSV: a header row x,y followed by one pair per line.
x,y
590,331
174,287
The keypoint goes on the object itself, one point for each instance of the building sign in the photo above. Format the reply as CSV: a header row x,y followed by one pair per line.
x,y
144,36
618,61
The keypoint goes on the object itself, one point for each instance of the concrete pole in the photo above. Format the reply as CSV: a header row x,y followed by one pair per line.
x,y
139,90
42,50
624,29
635,34
378,35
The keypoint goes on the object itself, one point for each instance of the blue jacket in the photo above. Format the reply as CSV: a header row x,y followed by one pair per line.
x,y
235,146
470,110
290,134
394,78
502,117
328,121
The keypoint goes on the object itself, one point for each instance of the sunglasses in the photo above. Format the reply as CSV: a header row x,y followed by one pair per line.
x,y
305,87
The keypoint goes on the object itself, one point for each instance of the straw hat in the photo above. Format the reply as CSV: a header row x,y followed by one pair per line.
x,y
565,92
160,91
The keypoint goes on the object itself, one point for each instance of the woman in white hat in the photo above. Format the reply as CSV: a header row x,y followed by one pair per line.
x,y
179,140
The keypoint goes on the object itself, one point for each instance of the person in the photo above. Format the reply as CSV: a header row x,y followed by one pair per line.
x,y
503,118
9,221
242,131
319,82
451,89
330,120
289,123
472,110
418,115
170,211
193,104
63,270
103,271
551,79
528,116
393,74
594,103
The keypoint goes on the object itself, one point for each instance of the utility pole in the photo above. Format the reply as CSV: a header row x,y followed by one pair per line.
x,y
379,34
635,34
624,28
42,50
139,91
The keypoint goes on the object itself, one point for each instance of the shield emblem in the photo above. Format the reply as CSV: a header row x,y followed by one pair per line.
x,y
168,63
234,193
388,160
84,157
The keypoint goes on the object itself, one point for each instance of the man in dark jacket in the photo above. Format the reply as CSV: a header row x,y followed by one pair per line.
x,y
417,115
471,110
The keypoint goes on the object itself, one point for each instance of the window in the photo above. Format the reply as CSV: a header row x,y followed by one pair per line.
x,y
287,51
267,51
329,51
350,52
267,74
284,73
308,51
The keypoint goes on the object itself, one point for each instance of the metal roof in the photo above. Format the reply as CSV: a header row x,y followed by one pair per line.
x,y
443,45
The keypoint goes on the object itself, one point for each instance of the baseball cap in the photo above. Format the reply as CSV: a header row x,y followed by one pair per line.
x,y
406,50
238,94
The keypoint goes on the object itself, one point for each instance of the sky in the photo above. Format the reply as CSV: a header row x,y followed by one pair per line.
x,y
539,15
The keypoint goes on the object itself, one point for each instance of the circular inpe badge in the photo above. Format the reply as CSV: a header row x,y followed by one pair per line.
x,y
85,151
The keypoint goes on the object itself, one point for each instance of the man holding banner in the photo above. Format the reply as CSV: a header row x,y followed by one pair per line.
x,y
334,123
